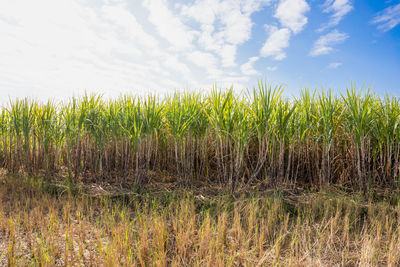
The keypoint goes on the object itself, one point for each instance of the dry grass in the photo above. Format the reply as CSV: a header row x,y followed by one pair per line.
x,y
43,225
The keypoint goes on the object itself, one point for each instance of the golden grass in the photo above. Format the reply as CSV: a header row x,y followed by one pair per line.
x,y
42,226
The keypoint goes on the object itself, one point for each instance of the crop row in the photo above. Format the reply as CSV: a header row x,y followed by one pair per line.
x,y
318,138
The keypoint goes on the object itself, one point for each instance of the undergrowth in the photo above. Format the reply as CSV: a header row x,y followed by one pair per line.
x,y
51,225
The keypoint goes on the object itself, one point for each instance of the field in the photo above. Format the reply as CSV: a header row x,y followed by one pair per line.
x,y
194,179
44,225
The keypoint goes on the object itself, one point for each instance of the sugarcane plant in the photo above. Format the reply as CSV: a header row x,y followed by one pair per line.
x,y
360,122
328,120
264,101
231,137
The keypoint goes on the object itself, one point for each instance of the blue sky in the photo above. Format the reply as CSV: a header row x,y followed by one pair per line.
x,y
56,49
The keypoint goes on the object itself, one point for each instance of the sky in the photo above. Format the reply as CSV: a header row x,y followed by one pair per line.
x,y
59,49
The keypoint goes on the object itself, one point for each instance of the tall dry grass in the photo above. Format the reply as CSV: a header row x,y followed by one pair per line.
x,y
46,226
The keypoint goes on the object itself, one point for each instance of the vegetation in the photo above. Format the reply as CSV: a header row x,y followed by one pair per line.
x,y
43,225
317,139
194,179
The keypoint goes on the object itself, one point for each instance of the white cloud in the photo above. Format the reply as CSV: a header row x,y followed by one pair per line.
x,y
224,25
168,25
207,61
248,67
237,26
203,11
271,68
324,43
291,14
334,65
202,59
238,82
388,18
59,49
338,9
234,17
131,29
228,55
276,42
172,62
248,7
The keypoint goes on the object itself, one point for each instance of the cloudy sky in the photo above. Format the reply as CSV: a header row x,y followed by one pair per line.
x,y
56,49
